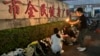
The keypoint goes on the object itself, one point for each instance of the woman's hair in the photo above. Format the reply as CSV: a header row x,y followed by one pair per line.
x,y
58,35
56,32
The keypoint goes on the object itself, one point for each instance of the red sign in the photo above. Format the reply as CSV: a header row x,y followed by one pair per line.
x,y
58,13
51,11
63,12
13,8
43,10
67,12
30,9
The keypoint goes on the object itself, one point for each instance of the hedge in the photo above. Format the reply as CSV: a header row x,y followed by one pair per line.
x,y
21,37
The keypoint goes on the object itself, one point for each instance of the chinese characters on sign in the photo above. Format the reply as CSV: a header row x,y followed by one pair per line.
x,y
51,11
63,12
67,12
13,8
43,10
58,13
31,9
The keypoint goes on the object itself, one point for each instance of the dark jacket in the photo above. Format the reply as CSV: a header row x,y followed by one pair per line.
x,y
83,23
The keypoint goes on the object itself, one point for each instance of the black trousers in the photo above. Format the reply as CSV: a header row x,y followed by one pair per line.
x,y
81,37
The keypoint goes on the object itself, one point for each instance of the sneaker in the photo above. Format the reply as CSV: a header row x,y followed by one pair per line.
x,y
78,48
82,49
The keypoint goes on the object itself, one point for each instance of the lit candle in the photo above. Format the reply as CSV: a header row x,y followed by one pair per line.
x,y
67,20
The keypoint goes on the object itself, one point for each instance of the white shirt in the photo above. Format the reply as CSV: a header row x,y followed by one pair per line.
x,y
56,44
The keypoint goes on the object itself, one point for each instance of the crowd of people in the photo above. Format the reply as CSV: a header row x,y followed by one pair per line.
x,y
67,35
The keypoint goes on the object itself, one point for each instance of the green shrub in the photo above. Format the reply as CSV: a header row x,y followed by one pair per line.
x,y
21,37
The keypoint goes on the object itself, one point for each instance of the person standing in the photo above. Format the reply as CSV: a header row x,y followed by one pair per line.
x,y
82,21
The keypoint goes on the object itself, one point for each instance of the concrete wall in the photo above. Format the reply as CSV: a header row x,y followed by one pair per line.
x,y
7,20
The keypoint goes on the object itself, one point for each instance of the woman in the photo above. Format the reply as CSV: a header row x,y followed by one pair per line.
x,y
56,42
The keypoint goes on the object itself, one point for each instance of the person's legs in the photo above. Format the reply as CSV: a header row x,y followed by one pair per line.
x,y
81,39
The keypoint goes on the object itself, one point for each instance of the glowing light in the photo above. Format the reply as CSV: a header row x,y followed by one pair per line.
x,y
67,20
